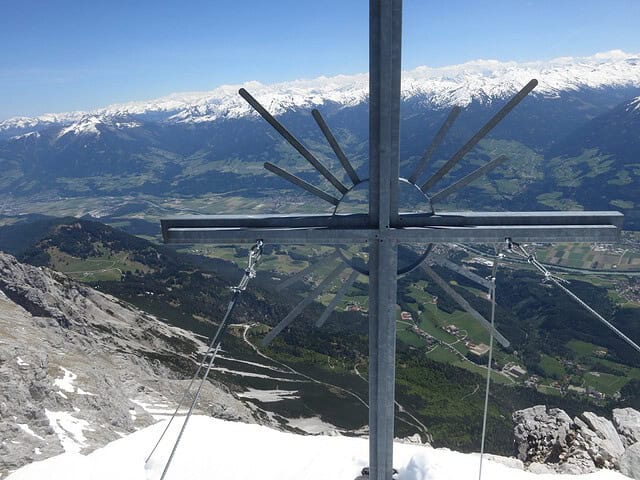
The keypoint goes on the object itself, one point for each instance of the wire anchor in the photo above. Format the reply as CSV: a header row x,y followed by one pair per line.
x,y
255,254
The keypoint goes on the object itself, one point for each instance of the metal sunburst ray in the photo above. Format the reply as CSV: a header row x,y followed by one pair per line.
x,y
314,293
297,310
307,270
356,181
344,161
480,134
459,299
294,142
435,143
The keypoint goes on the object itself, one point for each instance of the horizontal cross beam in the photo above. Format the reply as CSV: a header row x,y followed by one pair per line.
x,y
463,227
451,219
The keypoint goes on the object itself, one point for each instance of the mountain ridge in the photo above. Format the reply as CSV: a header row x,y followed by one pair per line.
x,y
440,87
79,368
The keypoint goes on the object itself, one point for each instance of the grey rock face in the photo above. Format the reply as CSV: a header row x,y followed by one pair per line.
x,y
540,434
627,423
552,438
70,355
602,441
630,461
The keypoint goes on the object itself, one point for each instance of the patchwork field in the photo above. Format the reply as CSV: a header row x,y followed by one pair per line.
x,y
590,257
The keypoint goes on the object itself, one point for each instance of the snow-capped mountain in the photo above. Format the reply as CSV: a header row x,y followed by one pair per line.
x,y
475,81
201,143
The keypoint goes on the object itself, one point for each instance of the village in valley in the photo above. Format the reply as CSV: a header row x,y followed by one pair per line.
x,y
455,338
477,353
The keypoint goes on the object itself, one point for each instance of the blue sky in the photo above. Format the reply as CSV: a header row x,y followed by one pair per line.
x,y
76,55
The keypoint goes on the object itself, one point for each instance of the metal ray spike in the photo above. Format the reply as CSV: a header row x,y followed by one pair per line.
x,y
437,140
486,128
284,323
465,305
465,272
290,177
335,146
306,271
338,297
463,182
293,141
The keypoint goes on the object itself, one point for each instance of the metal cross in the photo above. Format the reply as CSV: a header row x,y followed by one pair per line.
x,y
384,227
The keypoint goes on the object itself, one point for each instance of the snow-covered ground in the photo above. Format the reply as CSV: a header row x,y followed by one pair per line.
x,y
220,449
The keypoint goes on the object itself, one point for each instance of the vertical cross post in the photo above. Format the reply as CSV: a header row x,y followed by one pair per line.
x,y
385,31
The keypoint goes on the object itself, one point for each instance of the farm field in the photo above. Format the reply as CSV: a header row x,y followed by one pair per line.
x,y
591,257
108,266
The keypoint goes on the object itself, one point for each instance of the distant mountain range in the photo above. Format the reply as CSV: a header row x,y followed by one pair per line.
x,y
199,143
477,81
599,163
616,132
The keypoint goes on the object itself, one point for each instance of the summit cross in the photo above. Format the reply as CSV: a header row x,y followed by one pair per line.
x,y
384,227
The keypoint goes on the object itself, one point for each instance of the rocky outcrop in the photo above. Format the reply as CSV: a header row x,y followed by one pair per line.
x,y
630,461
601,440
548,439
547,436
627,423
79,369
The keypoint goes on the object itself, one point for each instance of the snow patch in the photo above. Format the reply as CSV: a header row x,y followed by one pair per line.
x,y
26,135
251,374
254,364
86,126
269,396
21,362
159,411
66,383
80,391
70,430
481,261
311,425
123,125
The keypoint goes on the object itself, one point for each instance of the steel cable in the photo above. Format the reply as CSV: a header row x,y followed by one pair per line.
x,y
492,296
255,255
560,283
